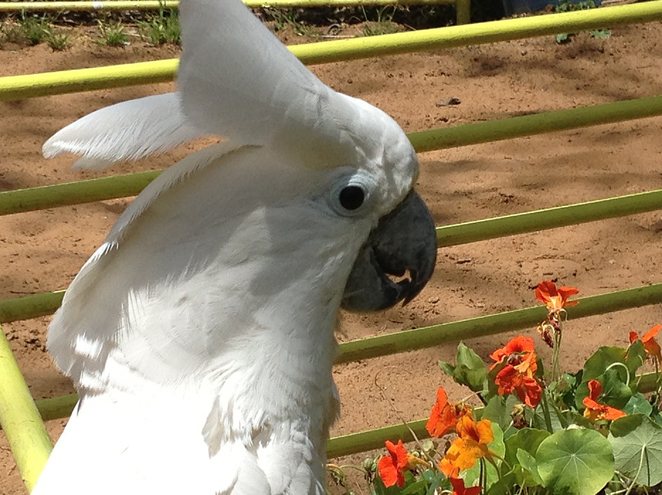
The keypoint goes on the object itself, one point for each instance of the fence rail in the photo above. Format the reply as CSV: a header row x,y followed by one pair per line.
x,y
20,420
35,305
71,81
122,5
119,186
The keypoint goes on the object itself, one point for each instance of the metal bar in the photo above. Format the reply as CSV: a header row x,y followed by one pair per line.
x,y
549,218
121,5
538,123
35,305
32,306
353,443
418,338
118,186
71,193
50,83
20,419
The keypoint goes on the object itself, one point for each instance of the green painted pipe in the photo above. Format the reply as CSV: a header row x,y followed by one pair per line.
x,y
354,443
71,193
19,418
61,407
549,218
35,305
119,186
32,306
50,83
121,5
537,123
419,338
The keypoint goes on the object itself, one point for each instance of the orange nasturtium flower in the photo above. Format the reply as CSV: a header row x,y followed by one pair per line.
x,y
650,344
470,445
518,375
595,410
459,489
555,298
392,467
444,415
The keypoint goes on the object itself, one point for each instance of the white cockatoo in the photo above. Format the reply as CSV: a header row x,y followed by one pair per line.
x,y
200,335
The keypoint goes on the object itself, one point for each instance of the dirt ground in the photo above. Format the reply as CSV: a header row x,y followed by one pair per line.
x,y
42,251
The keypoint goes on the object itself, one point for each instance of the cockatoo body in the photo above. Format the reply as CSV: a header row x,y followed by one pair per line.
x,y
200,335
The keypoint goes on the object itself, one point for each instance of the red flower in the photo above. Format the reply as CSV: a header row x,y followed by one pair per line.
x,y
444,416
650,344
515,351
595,410
459,489
518,375
391,467
527,388
471,445
555,298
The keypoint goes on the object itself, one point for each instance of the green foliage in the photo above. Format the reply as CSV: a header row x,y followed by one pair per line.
x,y
469,369
637,445
112,34
383,24
58,40
161,28
571,6
34,29
290,19
575,462
546,438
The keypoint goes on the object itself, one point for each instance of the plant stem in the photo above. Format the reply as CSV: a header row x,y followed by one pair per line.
x,y
545,411
482,477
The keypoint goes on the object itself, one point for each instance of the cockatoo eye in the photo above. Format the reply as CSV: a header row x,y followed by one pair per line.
x,y
351,197
351,194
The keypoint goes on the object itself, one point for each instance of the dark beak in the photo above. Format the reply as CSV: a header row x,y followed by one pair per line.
x,y
404,244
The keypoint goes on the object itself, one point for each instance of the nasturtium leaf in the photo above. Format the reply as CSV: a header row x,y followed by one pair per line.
x,y
635,356
527,439
638,404
504,486
469,369
499,410
596,368
530,467
637,446
616,392
437,481
575,462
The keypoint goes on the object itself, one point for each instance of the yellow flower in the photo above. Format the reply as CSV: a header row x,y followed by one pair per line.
x,y
471,445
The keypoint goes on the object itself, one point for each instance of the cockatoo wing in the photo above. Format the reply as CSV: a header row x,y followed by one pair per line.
x,y
129,130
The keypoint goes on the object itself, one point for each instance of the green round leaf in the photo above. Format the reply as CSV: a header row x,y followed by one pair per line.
x,y
637,444
527,439
638,405
575,462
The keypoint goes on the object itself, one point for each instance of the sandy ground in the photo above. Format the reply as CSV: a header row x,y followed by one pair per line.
x,y
42,251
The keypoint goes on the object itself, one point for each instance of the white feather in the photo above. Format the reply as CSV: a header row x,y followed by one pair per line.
x,y
129,130
200,334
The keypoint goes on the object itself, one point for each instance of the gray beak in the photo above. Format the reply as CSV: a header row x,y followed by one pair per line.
x,y
404,241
